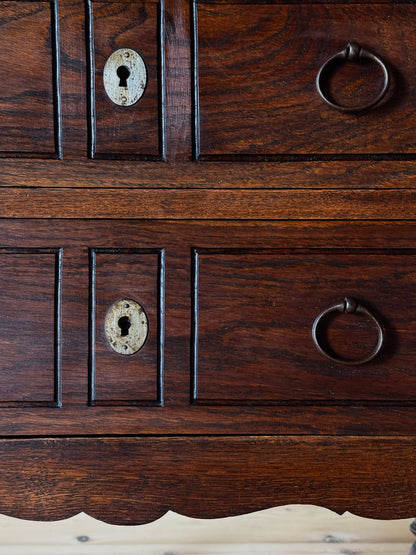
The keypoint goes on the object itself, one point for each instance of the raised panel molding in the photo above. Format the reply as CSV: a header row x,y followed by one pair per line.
x,y
117,379
137,131
253,311
254,74
30,327
30,102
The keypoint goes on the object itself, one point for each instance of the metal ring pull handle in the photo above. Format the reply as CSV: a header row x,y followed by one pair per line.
x,y
349,306
353,52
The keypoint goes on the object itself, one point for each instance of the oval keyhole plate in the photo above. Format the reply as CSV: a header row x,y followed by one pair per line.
x,y
126,327
125,77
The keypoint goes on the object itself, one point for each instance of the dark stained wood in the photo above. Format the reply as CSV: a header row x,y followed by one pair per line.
x,y
254,2
29,108
135,130
73,34
135,480
127,275
29,322
383,401
257,67
254,313
178,83
263,176
294,205
205,204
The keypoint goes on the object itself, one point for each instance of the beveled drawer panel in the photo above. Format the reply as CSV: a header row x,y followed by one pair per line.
x,y
135,377
30,364
256,68
254,312
132,131
29,96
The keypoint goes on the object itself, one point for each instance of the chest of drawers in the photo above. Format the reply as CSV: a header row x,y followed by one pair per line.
x,y
238,208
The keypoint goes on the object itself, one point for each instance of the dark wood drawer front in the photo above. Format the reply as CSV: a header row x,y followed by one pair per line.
x,y
29,105
127,131
230,308
134,378
254,313
256,70
29,327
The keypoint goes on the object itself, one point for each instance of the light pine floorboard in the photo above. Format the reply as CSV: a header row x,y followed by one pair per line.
x,y
233,549
290,530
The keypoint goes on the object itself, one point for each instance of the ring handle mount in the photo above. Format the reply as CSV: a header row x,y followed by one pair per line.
x,y
348,306
353,52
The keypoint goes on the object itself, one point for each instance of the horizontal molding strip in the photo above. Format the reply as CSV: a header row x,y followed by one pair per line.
x,y
204,204
122,174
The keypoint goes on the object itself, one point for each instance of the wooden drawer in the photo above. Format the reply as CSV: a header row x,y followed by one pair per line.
x,y
256,70
230,308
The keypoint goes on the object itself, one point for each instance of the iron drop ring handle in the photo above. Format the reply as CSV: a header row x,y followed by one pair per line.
x,y
353,52
349,306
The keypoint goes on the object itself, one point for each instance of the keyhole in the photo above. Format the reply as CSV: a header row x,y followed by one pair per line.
x,y
123,73
124,324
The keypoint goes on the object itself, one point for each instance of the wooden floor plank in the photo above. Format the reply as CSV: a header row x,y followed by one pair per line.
x,y
217,549
289,530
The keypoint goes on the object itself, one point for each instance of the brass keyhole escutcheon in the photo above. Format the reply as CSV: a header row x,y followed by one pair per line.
x,y
126,327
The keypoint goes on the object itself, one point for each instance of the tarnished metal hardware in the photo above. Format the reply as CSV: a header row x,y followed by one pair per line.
x,y
352,53
349,306
125,77
126,327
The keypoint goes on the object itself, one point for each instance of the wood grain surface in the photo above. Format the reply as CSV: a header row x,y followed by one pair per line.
x,y
136,131
249,372
208,204
254,310
127,274
345,176
29,327
256,72
29,102
136,480
285,181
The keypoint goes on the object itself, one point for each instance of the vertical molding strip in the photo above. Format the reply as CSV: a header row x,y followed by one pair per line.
x,y
194,325
58,328
91,328
161,329
195,83
161,73
57,104
90,78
